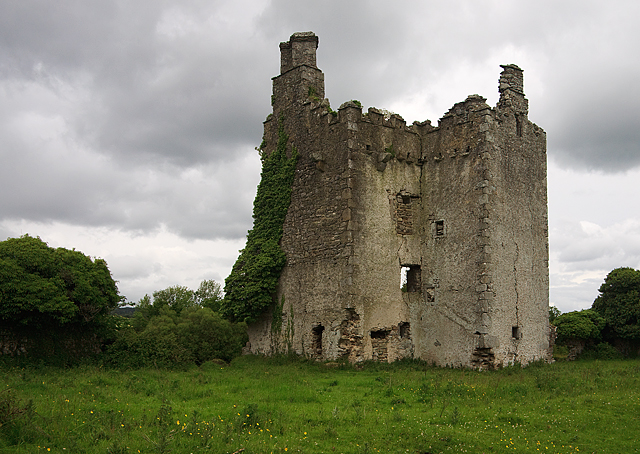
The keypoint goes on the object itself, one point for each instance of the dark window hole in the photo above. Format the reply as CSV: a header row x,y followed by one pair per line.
x,y
379,334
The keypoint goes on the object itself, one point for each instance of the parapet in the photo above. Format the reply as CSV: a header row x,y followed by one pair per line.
x,y
300,50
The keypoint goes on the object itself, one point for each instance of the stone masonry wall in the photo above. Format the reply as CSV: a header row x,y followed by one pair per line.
x,y
459,208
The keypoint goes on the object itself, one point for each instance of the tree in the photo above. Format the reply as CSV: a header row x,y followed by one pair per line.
x,y
41,286
44,291
209,294
583,326
174,299
554,312
619,303
177,298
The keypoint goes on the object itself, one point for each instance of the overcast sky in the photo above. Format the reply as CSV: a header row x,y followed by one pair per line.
x,y
127,129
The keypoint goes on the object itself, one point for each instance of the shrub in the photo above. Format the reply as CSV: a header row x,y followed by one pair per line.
x,y
196,335
579,325
602,351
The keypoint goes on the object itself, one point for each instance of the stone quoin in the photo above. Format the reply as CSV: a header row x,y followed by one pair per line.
x,y
414,241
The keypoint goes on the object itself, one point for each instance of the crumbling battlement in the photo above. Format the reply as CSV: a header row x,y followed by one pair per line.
x,y
409,240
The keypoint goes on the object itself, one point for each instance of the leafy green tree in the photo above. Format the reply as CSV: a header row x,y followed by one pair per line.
x,y
177,298
50,292
619,303
251,285
143,313
582,325
554,312
209,294
41,286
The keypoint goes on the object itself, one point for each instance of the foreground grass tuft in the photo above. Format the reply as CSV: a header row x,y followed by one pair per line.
x,y
285,405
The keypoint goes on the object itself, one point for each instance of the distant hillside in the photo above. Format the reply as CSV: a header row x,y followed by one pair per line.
x,y
125,311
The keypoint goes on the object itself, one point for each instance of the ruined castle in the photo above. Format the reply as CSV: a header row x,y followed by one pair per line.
x,y
415,241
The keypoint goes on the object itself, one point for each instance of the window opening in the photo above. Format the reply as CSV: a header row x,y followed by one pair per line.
x,y
439,228
379,334
430,294
515,332
405,329
410,278
403,214
316,341
379,341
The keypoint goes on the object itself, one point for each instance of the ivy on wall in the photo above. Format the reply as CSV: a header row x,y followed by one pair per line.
x,y
251,286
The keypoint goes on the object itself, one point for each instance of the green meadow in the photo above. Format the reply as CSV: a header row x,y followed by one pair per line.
x,y
288,405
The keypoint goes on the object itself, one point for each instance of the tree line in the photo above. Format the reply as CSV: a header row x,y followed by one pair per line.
x,y
57,307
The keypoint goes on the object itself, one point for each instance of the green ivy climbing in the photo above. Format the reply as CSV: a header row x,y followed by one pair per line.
x,y
251,286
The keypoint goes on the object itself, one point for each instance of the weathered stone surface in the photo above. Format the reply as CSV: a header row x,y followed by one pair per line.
x,y
461,207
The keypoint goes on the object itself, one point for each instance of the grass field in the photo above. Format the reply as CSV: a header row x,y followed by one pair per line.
x,y
258,405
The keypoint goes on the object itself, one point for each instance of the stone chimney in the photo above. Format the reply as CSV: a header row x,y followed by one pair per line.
x,y
300,50
511,89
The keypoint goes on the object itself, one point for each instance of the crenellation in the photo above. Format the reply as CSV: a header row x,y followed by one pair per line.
x,y
373,197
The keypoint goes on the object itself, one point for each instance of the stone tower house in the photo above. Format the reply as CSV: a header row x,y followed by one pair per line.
x,y
409,241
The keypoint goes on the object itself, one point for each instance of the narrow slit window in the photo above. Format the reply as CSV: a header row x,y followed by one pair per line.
x,y
518,126
439,230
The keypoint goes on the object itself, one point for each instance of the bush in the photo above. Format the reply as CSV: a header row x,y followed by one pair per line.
x,y
196,335
582,325
602,351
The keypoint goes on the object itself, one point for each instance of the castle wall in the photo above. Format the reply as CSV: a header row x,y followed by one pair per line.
x,y
461,207
453,171
519,247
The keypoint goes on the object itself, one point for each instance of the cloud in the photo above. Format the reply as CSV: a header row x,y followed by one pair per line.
x,y
48,174
131,118
142,117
